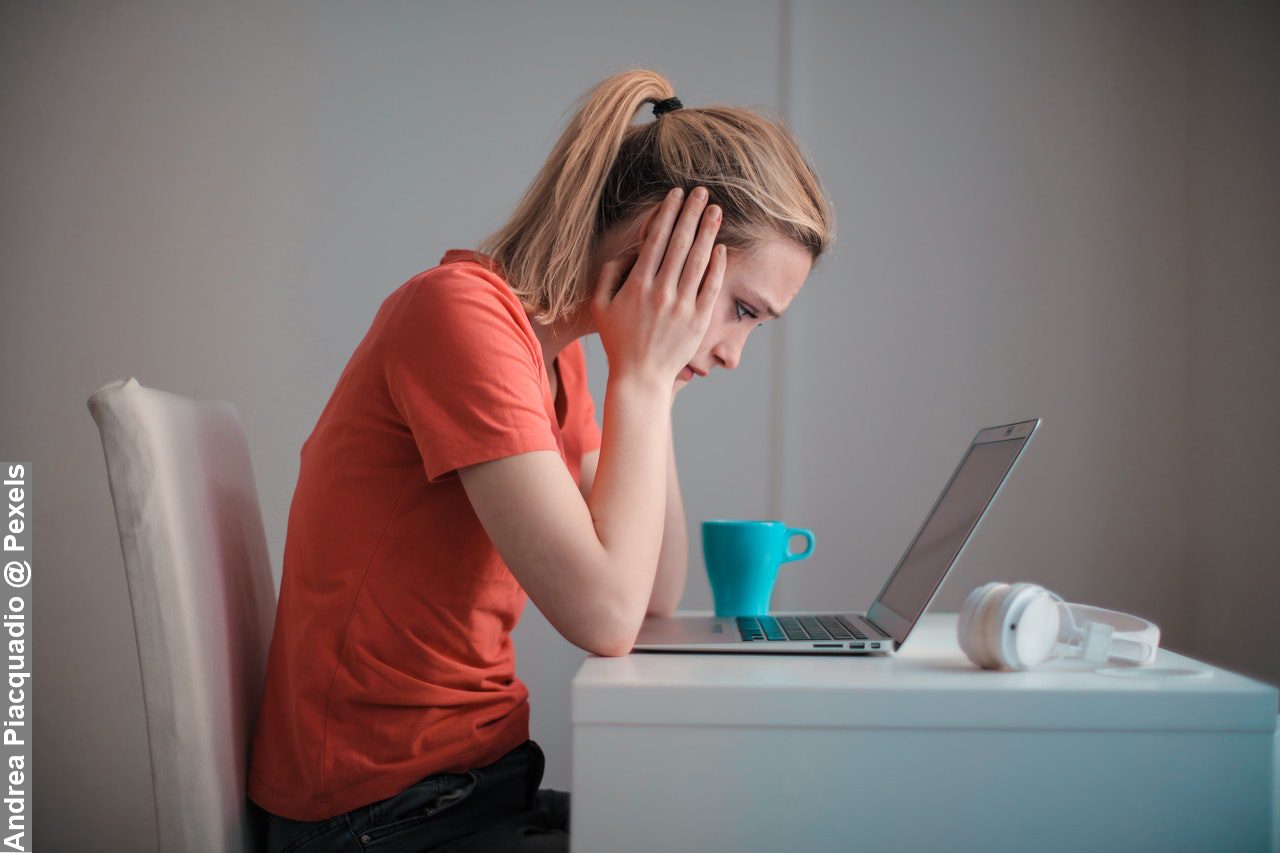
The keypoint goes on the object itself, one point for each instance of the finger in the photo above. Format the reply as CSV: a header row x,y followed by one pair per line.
x,y
682,239
713,282
655,243
695,266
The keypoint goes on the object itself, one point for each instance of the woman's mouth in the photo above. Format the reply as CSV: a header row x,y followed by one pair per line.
x,y
686,374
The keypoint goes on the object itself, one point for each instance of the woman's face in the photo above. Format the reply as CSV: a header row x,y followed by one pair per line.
x,y
767,277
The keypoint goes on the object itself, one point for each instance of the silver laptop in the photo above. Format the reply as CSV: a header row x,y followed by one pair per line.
x,y
885,626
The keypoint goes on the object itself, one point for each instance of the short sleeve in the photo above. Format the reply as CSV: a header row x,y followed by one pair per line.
x,y
462,371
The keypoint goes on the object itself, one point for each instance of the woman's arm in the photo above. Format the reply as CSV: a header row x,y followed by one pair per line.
x,y
668,585
589,566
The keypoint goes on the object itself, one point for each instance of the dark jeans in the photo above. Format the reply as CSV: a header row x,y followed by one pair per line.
x,y
487,809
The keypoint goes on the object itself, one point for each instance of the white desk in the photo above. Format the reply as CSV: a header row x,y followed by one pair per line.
x,y
918,752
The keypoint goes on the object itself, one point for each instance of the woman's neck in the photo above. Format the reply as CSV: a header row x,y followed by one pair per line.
x,y
555,337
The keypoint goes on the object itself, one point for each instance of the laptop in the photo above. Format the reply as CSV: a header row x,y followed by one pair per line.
x,y
884,627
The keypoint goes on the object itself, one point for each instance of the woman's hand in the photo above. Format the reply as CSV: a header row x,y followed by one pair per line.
x,y
655,323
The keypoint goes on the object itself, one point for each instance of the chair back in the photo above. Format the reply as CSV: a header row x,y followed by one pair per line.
x,y
203,601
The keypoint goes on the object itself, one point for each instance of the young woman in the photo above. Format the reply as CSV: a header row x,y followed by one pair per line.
x,y
458,468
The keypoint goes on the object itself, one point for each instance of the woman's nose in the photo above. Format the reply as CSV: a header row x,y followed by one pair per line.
x,y
728,355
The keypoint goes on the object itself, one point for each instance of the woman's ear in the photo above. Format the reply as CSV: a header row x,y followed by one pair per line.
x,y
631,258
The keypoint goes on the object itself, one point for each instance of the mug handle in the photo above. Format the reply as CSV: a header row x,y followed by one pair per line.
x,y
797,531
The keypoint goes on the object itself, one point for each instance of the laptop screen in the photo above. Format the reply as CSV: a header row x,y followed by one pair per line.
x,y
954,517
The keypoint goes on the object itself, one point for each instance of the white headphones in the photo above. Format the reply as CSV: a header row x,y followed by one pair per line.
x,y
1015,626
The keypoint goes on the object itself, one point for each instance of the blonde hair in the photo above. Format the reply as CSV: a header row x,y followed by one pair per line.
x,y
603,171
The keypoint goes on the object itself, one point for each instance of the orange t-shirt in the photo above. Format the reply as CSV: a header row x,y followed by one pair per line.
x,y
392,657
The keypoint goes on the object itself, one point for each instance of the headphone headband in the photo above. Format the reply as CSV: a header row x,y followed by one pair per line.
x,y
1111,634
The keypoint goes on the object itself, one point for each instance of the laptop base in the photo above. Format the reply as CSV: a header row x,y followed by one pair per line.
x,y
723,635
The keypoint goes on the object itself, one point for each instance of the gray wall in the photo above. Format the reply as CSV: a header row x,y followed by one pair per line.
x,y
1234,269
1010,180
1062,210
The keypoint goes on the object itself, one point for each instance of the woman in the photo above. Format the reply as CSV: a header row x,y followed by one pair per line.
x,y
458,466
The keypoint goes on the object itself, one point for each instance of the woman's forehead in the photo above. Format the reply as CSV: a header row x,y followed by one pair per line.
x,y
775,270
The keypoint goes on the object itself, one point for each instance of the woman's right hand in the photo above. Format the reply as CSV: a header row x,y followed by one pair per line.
x,y
654,325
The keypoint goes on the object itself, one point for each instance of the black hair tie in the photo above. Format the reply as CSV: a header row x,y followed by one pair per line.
x,y
669,105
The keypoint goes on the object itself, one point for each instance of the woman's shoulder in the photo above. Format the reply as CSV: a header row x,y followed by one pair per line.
x,y
460,269
461,296
464,281
470,259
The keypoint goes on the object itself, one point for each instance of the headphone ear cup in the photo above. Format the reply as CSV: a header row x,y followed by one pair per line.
x,y
1006,624
1037,630
980,630
965,627
988,624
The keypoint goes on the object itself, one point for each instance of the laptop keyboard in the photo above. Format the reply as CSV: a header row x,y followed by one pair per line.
x,y
833,627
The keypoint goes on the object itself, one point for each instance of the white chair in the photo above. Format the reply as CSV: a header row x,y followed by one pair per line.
x,y
203,602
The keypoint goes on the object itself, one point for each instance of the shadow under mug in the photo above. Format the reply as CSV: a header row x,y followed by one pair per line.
x,y
742,559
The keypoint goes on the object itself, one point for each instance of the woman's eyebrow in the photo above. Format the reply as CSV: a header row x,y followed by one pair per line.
x,y
773,312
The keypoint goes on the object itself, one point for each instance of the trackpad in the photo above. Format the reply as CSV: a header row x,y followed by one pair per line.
x,y
688,629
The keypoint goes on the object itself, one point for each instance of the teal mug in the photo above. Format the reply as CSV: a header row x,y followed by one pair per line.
x,y
742,559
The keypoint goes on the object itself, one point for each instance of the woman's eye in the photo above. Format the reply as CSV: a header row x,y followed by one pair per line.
x,y
740,309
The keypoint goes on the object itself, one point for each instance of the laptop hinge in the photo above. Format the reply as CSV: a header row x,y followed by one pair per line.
x,y
882,631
